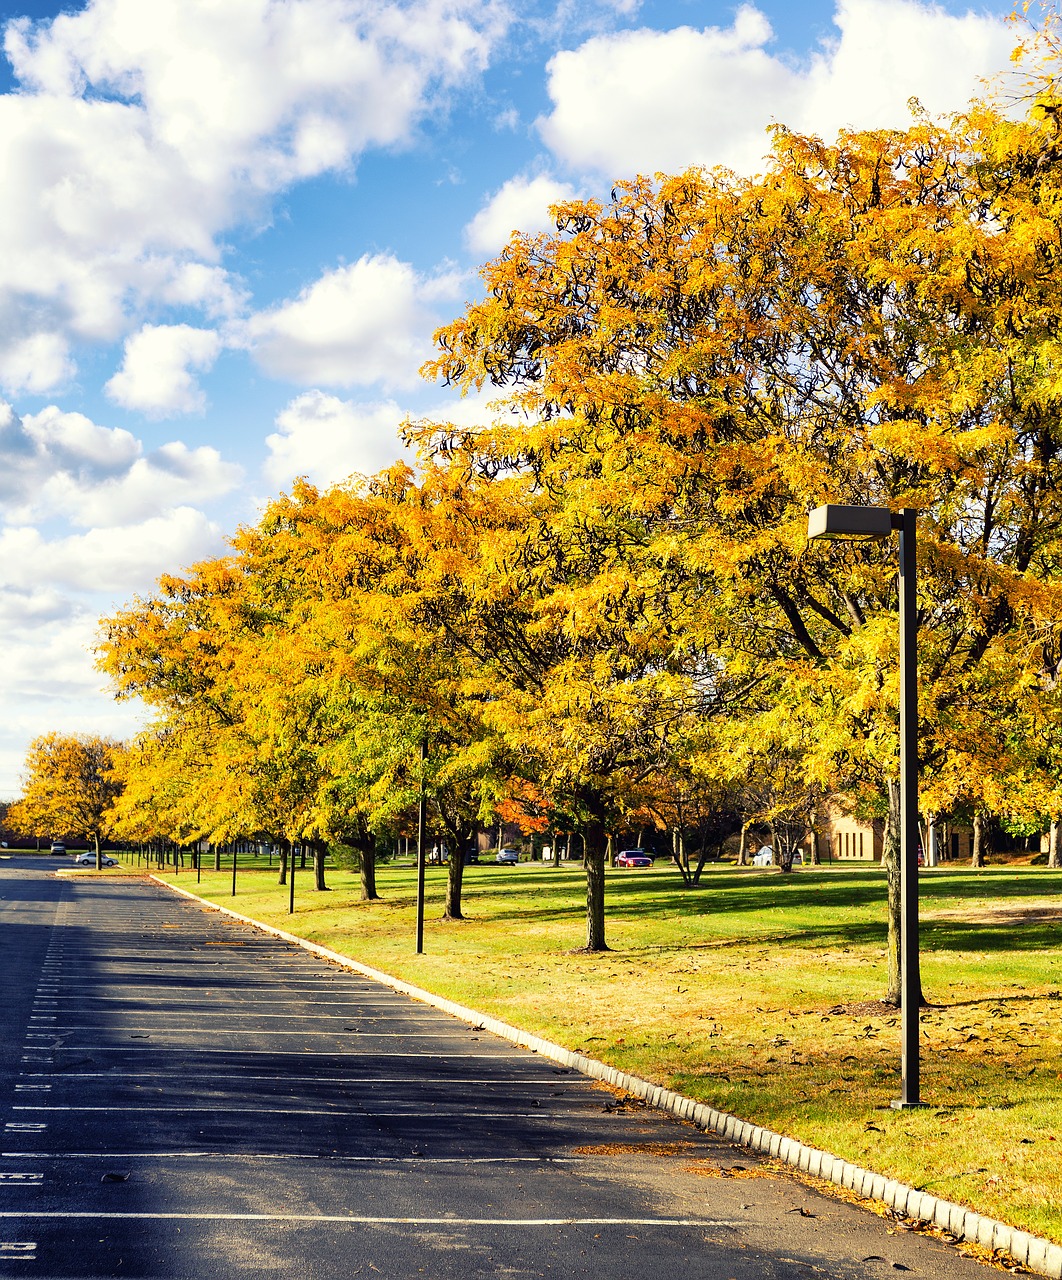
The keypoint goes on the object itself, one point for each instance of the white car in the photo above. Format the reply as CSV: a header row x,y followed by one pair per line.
x,y
89,860
765,858
507,857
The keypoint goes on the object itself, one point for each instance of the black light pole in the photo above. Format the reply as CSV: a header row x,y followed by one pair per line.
x,y
235,844
842,522
421,815
910,978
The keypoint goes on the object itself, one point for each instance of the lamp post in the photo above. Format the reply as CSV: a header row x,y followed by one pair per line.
x,y
421,822
863,523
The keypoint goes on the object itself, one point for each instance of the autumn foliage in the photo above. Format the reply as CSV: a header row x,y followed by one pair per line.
x,y
601,601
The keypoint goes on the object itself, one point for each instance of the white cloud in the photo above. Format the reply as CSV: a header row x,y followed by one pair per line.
x,y
126,558
892,50
62,464
648,101
328,439
358,325
59,470
156,371
194,284
37,363
522,204
48,682
141,132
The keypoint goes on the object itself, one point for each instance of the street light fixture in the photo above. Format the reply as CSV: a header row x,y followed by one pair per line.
x,y
872,523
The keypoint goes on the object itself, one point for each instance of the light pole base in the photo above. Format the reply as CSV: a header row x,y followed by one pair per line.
x,y
898,1104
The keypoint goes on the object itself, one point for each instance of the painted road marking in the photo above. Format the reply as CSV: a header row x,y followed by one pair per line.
x,y
24,1126
244,1031
18,1250
355,1220
301,1053
441,1112
229,1013
25,1088
286,1155
22,1179
511,1080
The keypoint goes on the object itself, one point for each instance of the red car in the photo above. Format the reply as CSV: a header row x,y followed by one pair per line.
x,y
633,858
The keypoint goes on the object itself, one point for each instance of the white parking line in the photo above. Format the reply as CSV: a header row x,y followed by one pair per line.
x,y
264,992
285,1155
17,1250
513,1078
499,1055
357,1220
244,1031
461,1112
439,1019
21,1179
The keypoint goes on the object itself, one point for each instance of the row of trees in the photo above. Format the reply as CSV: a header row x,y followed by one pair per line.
x,y
601,601
71,785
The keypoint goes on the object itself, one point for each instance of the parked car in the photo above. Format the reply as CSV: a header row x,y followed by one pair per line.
x,y
507,857
58,848
633,858
765,858
89,860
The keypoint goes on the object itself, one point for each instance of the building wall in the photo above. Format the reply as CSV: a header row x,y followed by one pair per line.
x,y
844,838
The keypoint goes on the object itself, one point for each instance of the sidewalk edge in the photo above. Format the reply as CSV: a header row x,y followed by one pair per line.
x,y
1034,1252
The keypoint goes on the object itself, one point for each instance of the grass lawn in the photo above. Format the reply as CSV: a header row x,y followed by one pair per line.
x,y
758,994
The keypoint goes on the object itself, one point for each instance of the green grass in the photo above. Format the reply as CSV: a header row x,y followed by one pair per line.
x,y
746,993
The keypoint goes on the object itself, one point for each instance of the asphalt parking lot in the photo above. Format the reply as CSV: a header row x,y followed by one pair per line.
x,y
184,1096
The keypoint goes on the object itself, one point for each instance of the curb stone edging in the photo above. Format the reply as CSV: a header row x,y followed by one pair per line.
x,y
1034,1252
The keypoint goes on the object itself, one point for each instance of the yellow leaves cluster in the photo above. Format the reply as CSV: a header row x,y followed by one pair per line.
x,y
608,581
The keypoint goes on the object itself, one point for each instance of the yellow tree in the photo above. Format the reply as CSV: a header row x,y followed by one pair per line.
x,y
372,560
691,367
70,785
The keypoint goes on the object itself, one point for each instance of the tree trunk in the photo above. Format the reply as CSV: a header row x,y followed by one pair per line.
x,y
99,851
932,840
678,856
320,852
977,855
813,843
285,849
367,868
455,872
594,866
702,857
890,861
743,847
217,857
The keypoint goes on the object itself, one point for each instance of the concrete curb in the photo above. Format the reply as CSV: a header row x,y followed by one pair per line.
x,y
1033,1252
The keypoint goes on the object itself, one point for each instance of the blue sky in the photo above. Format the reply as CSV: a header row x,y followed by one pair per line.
x,y
227,232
